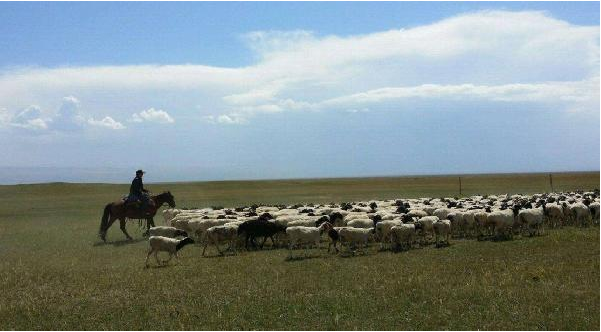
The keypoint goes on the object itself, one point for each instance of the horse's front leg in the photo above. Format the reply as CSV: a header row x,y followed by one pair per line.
x,y
149,223
122,221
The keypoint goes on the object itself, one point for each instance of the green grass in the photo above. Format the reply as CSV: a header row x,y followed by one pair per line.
x,y
54,273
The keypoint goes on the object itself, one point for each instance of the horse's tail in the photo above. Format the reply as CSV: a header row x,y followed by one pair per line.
x,y
105,219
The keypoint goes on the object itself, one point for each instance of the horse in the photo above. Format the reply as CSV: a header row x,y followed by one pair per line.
x,y
118,210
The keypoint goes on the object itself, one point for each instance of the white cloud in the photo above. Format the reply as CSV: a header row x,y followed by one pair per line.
x,y
106,122
69,116
228,119
30,118
580,91
4,117
488,56
152,115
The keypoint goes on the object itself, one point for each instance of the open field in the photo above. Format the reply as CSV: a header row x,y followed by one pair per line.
x,y
55,274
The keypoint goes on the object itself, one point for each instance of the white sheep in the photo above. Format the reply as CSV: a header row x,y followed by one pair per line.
x,y
442,229
426,226
594,207
361,223
501,221
403,236
383,230
166,244
532,219
166,231
355,236
222,233
441,213
299,235
581,214
554,213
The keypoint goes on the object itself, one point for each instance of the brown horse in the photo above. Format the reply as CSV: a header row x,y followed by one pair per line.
x,y
118,210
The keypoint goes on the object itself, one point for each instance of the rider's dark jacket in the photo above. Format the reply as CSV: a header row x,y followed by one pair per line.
x,y
137,187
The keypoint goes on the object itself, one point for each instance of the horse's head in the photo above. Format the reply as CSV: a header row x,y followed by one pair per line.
x,y
166,197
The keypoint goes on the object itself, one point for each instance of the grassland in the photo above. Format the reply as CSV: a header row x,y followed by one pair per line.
x,y
54,273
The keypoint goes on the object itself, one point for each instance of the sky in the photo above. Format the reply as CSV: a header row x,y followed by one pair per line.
x,y
217,91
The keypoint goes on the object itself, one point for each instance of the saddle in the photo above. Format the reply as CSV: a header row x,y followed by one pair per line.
x,y
148,209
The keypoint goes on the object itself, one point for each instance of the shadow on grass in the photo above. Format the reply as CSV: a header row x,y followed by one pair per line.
x,y
118,243
225,254
302,258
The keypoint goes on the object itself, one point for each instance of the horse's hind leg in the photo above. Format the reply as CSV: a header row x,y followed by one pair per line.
x,y
122,226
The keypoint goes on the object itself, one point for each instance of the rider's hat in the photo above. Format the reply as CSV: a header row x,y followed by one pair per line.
x,y
140,171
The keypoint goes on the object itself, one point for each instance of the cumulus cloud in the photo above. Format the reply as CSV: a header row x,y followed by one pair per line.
x,y
152,115
68,117
31,119
106,122
487,56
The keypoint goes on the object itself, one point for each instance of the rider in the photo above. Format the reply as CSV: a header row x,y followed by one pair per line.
x,y
137,191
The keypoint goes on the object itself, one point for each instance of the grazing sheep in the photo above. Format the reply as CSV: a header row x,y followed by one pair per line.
x,y
223,233
299,235
442,229
403,236
161,243
166,231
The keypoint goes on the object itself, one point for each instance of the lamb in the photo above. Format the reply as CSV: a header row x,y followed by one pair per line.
x,y
355,236
161,243
402,236
305,235
221,233
166,231
333,235
442,228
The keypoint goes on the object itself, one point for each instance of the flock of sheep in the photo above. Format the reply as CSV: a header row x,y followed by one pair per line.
x,y
395,224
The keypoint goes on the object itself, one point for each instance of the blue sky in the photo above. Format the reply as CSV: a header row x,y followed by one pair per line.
x,y
201,91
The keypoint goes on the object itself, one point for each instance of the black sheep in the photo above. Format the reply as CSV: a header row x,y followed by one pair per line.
x,y
259,228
